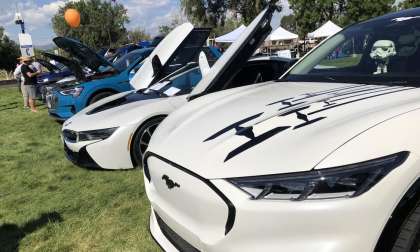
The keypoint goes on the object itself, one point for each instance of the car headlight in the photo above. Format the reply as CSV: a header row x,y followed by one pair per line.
x,y
100,134
338,182
72,91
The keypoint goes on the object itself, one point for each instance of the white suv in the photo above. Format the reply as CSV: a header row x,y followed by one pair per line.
x,y
325,159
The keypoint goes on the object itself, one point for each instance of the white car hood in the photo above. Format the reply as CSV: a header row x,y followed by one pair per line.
x,y
275,128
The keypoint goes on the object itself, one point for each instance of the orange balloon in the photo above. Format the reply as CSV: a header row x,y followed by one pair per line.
x,y
72,17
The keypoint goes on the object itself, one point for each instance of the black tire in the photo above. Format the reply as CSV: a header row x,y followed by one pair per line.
x,y
408,239
142,138
100,96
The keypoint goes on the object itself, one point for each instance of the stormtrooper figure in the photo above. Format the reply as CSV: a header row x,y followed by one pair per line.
x,y
382,50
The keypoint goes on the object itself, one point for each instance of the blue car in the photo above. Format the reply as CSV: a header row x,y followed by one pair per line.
x,y
108,78
123,50
62,70
67,100
54,72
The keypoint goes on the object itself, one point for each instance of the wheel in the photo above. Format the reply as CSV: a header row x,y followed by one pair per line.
x,y
408,239
142,138
100,96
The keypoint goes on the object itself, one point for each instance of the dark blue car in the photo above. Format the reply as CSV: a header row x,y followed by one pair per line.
x,y
108,78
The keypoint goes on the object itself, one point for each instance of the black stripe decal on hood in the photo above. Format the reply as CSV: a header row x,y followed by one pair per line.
x,y
290,107
232,126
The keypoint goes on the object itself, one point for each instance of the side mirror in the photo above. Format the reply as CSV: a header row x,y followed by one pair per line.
x,y
203,63
157,66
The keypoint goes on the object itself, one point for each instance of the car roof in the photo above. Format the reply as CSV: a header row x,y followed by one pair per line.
x,y
414,12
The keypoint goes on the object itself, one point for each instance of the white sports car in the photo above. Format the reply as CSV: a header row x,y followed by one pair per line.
x,y
325,159
114,133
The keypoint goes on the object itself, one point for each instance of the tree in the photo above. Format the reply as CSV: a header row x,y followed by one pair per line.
x,y
248,9
9,52
176,20
310,15
289,23
136,35
213,12
165,29
407,4
205,12
359,10
102,23
230,25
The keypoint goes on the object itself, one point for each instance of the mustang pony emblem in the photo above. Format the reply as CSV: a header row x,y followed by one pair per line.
x,y
169,182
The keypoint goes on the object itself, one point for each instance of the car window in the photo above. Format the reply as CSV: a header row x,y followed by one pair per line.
x,y
255,73
122,63
186,81
187,52
380,51
178,84
348,54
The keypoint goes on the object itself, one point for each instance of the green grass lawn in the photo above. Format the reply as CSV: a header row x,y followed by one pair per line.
x,y
48,204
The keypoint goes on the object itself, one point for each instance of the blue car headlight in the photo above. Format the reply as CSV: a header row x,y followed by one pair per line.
x,y
338,182
100,134
76,91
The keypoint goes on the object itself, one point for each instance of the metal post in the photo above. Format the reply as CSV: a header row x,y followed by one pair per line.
x,y
22,27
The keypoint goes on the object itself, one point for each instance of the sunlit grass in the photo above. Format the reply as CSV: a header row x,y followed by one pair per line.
x,y
48,204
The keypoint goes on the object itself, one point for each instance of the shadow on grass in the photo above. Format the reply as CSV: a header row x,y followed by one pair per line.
x,y
12,234
2,109
7,106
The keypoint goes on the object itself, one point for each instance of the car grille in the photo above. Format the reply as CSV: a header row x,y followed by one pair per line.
x,y
70,135
173,237
51,101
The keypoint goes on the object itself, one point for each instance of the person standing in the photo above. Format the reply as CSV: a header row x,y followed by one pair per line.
x,y
19,78
30,81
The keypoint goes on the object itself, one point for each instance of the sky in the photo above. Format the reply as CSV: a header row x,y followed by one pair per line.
x,y
146,14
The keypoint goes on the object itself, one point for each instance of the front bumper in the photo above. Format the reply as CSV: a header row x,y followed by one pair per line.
x,y
111,153
60,107
197,217
165,237
81,158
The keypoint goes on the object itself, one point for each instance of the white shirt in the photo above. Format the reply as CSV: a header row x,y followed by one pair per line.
x,y
18,73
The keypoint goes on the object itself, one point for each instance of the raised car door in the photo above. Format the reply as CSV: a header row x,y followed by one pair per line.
x,y
178,48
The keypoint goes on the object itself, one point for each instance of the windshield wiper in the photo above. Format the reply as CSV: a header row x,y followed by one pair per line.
x,y
397,82
310,78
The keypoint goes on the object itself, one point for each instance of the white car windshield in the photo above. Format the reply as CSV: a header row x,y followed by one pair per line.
x,y
382,51
179,83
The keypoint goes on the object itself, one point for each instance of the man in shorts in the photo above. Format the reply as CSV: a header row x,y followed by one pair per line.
x,y
19,78
30,81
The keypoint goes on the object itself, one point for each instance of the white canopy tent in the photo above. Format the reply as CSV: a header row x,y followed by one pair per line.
x,y
231,36
281,34
326,30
